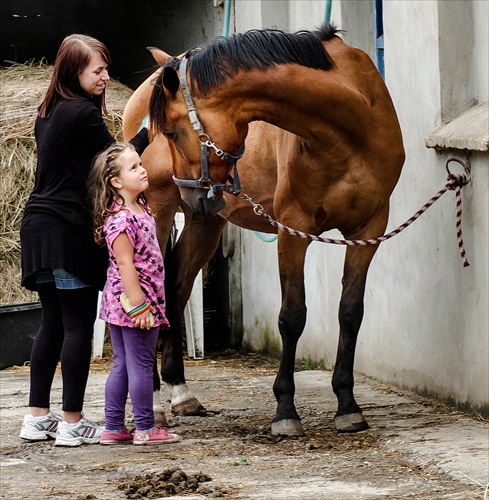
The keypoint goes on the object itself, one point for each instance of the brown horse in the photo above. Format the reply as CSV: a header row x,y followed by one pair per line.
x,y
338,160
201,234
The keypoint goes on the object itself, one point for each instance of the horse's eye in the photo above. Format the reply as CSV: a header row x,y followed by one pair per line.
x,y
169,135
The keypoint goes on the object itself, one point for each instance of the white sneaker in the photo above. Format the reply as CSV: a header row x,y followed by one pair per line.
x,y
40,428
83,432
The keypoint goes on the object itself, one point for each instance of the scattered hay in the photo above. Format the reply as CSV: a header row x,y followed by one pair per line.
x,y
22,88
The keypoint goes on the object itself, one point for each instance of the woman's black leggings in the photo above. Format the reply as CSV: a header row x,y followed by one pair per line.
x,y
65,334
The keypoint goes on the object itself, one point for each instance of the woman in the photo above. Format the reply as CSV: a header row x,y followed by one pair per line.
x,y
60,259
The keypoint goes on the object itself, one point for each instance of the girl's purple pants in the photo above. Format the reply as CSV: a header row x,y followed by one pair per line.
x,y
134,356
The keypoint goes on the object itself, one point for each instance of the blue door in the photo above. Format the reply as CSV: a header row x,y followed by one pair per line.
x,y
379,37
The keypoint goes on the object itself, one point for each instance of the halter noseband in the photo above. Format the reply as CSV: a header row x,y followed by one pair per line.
x,y
205,143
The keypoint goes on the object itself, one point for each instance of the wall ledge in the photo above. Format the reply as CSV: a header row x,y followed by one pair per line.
x,y
469,131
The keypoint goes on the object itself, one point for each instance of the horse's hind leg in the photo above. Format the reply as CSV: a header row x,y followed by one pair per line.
x,y
349,416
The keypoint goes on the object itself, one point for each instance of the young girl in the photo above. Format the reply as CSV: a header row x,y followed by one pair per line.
x,y
123,222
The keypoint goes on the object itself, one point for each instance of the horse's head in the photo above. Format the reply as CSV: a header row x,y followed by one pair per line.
x,y
205,136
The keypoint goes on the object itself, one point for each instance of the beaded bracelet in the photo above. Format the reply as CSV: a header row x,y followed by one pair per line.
x,y
145,306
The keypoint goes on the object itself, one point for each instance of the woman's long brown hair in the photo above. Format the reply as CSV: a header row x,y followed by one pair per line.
x,y
73,57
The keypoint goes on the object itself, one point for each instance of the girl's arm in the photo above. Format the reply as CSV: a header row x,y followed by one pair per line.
x,y
124,255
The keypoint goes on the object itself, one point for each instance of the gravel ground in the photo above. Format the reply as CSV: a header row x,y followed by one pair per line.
x,y
415,448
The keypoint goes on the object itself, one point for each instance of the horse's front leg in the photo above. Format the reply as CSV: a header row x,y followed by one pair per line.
x,y
292,319
349,417
196,246
183,401
164,199
158,406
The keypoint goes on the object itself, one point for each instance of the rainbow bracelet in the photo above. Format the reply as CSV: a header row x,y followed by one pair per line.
x,y
145,306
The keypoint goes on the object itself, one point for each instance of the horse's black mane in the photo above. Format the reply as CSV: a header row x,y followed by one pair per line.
x,y
218,59
215,61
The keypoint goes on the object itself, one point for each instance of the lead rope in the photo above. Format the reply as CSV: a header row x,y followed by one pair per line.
x,y
454,183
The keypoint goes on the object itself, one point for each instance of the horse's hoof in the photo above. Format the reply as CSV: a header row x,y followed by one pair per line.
x,y
288,427
189,407
353,422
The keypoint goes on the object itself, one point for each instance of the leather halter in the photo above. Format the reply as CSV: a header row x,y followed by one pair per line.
x,y
205,143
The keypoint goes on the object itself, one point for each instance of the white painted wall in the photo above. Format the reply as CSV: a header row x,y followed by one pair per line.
x,y
426,317
433,328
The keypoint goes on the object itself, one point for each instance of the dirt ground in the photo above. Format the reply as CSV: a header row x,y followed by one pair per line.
x,y
414,449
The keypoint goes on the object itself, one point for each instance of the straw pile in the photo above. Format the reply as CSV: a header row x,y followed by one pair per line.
x,y
22,87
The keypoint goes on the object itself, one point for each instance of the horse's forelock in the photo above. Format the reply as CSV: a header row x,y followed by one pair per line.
x,y
158,96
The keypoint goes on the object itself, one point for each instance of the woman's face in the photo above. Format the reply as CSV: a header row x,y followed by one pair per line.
x,y
94,77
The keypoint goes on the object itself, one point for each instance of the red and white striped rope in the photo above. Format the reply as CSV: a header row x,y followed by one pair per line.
x,y
454,182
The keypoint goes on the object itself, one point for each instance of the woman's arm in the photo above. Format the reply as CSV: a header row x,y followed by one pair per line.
x,y
124,255
93,127
141,140
98,135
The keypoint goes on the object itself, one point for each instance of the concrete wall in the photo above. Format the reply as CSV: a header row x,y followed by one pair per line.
x,y
426,317
433,333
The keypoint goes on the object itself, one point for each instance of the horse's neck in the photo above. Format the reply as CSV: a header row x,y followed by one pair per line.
x,y
137,107
290,96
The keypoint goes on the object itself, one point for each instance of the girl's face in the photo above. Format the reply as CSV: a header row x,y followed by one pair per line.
x,y
132,178
94,77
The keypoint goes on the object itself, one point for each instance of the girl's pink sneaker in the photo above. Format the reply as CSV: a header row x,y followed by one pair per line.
x,y
156,435
111,437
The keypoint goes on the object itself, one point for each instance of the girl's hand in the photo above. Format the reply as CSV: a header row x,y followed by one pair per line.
x,y
143,321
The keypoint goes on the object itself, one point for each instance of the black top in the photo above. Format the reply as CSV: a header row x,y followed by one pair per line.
x,y
56,229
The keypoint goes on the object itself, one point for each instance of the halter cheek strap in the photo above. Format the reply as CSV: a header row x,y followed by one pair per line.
x,y
205,144
192,113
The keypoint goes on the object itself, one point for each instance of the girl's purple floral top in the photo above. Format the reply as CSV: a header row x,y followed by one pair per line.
x,y
148,261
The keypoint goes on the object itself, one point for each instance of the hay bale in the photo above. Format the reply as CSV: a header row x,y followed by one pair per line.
x,y
22,88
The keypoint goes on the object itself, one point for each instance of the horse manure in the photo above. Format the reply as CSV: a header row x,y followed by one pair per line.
x,y
167,483
178,477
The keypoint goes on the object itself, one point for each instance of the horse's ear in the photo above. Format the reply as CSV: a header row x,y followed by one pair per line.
x,y
170,80
160,56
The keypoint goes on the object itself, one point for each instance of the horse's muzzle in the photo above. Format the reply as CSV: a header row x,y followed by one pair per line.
x,y
210,206
198,202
